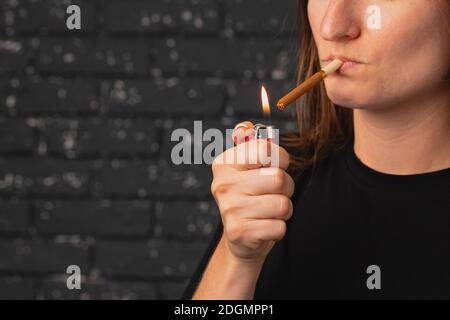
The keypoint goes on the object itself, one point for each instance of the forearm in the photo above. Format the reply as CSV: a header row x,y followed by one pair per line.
x,y
227,278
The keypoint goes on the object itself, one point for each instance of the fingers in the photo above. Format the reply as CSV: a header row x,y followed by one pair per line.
x,y
253,182
244,124
252,190
250,233
256,183
243,132
265,229
270,206
252,155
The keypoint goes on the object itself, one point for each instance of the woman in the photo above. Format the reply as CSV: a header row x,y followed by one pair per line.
x,y
370,215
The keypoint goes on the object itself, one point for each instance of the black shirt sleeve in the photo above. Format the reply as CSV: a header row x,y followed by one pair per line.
x,y
196,278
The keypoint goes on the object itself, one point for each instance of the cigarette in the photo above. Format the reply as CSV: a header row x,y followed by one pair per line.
x,y
309,84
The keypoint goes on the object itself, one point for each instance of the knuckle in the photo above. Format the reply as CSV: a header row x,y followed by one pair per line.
x,y
226,208
219,187
215,187
234,231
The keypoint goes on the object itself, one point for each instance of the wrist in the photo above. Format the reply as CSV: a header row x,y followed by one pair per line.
x,y
235,260
247,268
229,277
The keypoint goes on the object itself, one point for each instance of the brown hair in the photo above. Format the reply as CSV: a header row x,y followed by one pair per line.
x,y
323,126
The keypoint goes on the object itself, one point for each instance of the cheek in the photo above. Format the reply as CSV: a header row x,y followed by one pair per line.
x,y
315,16
409,56
413,54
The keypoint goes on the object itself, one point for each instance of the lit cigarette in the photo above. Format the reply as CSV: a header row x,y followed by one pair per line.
x,y
309,84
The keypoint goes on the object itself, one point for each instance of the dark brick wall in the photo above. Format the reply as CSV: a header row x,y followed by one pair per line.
x,y
85,121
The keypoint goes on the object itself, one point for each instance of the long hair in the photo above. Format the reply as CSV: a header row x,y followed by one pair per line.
x,y
323,126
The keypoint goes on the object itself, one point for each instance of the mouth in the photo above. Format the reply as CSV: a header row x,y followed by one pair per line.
x,y
349,63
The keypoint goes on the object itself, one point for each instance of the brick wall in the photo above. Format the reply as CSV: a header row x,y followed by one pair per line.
x,y
85,123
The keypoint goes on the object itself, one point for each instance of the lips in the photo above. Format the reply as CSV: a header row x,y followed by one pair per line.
x,y
349,63
340,57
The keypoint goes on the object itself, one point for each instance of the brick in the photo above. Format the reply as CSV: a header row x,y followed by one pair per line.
x,y
260,16
97,136
16,288
40,256
15,136
151,178
72,102
103,218
217,57
43,176
172,290
155,259
162,16
97,290
282,123
14,55
186,220
2,18
44,16
172,97
53,95
93,56
197,140
199,144
14,216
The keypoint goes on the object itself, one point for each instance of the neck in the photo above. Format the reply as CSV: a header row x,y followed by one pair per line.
x,y
409,138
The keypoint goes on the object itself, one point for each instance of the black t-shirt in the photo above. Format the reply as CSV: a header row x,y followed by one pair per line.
x,y
348,217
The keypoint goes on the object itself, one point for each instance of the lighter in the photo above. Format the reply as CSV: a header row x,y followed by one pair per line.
x,y
262,131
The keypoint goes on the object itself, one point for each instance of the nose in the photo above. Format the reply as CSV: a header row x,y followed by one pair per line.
x,y
340,22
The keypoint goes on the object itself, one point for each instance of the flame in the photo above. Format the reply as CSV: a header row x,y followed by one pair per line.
x,y
265,102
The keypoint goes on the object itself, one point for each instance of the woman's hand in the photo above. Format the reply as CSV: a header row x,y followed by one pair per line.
x,y
254,203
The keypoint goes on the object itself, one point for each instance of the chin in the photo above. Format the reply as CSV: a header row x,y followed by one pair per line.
x,y
349,96
345,100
